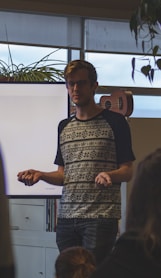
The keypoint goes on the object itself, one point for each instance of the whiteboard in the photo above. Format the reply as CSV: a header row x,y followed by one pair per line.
x,y
29,117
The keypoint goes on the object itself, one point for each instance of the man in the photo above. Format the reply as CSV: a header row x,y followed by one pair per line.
x,y
94,156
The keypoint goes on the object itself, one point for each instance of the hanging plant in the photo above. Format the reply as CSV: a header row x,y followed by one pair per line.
x,y
44,70
145,23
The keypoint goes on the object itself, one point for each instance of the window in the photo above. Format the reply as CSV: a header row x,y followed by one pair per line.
x,y
29,54
144,106
115,70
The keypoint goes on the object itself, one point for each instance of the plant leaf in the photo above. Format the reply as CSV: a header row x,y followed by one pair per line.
x,y
158,62
43,70
134,26
155,50
152,75
145,70
133,67
143,46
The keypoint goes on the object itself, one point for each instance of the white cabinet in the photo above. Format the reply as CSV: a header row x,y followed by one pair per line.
x,y
29,261
50,256
27,218
34,248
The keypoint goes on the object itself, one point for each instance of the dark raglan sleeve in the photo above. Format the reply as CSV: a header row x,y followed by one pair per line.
x,y
59,158
122,135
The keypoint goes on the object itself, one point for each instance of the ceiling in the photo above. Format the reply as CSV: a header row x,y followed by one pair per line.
x,y
114,9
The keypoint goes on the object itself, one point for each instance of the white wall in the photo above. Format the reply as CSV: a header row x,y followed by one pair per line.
x,y
146,137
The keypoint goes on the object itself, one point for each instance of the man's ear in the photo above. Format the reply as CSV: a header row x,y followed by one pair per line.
x,y
95,85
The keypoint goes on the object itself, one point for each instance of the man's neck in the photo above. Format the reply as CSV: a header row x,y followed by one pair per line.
x,y
83,113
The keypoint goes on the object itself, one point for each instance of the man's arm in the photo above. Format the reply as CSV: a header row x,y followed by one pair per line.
x,y
31,176
123,173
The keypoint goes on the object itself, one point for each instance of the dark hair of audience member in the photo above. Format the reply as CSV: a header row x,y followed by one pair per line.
x,y
144,204
75,262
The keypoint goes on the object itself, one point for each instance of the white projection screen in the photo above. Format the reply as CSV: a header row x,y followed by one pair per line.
x,y
29,117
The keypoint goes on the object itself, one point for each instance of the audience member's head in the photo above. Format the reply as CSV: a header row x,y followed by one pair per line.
x,y
75,262
144,205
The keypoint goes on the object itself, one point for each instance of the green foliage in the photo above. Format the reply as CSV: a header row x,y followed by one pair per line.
x,y
145,23
44,70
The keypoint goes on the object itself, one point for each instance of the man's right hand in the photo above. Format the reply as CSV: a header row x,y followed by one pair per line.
x,y
29,177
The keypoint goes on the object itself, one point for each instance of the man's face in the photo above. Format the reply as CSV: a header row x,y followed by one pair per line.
x,y
80,90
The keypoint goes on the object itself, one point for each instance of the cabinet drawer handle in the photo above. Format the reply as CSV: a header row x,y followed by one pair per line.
x,y
15,228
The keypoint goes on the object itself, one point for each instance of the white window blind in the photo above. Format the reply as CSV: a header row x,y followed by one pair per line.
x,y
44,30
111,36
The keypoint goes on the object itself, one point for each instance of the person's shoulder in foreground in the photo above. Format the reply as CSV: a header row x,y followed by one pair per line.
x,y
137,253
7,267
75,262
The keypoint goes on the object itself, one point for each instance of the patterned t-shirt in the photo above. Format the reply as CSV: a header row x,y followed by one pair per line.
x,y
86,148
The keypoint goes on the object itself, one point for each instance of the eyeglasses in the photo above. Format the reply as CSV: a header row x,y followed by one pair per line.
x,y
79,83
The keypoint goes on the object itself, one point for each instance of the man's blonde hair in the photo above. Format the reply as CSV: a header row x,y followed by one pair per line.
x,y
75,65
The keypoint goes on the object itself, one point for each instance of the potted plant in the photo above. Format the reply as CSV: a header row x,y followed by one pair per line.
x,y
145,23
44,70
